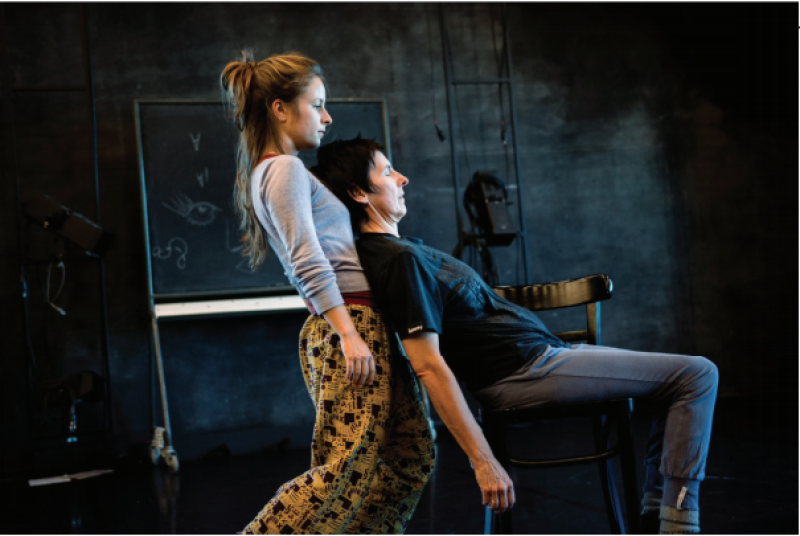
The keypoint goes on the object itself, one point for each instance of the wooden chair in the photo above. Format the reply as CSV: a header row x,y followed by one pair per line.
x,y
588,291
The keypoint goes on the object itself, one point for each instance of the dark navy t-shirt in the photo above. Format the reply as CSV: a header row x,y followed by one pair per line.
x,y
482,336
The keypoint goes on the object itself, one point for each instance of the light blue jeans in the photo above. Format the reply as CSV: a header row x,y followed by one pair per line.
x,y
684,388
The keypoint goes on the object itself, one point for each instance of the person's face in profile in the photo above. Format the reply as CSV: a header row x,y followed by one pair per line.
x,y
388,200
307,118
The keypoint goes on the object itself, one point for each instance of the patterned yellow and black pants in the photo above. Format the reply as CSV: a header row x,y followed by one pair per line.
x,y
372,451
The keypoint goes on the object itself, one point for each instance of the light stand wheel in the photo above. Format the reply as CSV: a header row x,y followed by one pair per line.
x,y
157,444
155,454
171,457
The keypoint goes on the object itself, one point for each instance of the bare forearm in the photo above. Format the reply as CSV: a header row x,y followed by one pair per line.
x,y
423,352
340,320
446,396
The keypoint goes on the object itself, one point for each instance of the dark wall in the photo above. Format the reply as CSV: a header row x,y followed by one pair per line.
x,y
658,144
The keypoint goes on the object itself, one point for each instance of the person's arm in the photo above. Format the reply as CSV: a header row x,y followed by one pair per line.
x,y
285,192
286,197
422,349
360,364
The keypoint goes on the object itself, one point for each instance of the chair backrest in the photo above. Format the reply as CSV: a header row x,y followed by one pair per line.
x,y
589,291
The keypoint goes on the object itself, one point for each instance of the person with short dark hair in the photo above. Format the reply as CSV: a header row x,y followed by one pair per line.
x,y
453,325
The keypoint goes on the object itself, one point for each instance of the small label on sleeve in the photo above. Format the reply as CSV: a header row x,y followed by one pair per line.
x,y
681,497
413,329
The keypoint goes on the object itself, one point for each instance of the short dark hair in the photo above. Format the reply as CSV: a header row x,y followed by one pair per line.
x,y
344,165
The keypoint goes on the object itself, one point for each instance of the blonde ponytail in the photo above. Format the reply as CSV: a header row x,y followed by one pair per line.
x,y
250,88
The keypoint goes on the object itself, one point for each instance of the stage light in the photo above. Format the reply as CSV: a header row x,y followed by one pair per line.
x,y
73,226
486,205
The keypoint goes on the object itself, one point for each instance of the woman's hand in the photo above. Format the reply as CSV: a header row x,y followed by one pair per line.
x,y
496,486
360,363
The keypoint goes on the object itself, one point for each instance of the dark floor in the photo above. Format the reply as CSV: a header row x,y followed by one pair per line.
x,y
751,487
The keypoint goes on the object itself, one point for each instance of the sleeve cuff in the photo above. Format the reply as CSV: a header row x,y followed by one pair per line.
x,y
406,333
327,298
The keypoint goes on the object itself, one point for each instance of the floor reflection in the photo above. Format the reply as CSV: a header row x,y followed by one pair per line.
x,y
221,495
166,487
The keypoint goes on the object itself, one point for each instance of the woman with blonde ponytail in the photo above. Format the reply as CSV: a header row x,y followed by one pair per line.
x,y
372,451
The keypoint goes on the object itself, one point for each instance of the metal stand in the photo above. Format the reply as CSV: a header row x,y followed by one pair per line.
x,y
489,272
450,83
162,437
162,442
88,89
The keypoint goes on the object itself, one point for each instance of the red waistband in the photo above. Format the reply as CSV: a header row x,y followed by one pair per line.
x,y
354,298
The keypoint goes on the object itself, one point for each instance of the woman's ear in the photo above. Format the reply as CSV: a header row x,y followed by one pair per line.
x,y
280,110
358,195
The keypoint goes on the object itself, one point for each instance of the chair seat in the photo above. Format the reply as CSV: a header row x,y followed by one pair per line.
x,y
594,409
560,411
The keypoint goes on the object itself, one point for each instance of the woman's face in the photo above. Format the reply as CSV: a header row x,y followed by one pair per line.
x,y
307,119
388,200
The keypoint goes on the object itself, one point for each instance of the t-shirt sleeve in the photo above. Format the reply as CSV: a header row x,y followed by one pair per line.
x,y
413,299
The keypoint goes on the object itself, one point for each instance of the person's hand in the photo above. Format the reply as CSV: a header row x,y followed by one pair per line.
x,y
497,488
360,363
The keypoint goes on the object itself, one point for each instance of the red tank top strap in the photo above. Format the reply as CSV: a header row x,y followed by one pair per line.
x,y
267,157
360,298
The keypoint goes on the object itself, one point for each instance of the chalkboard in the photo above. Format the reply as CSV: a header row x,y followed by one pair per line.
x,y
187,164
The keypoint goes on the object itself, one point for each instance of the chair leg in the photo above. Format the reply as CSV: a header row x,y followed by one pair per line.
x,y
491,523
494,430
628,462
506,525
497,523
607,479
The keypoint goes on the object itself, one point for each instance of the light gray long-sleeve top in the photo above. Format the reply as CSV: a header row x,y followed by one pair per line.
x,y
309,229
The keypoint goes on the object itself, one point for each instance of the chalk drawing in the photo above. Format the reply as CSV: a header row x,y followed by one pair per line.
x,y
244,267
202,178
180,247
200,213
244,264
232,249
196,141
